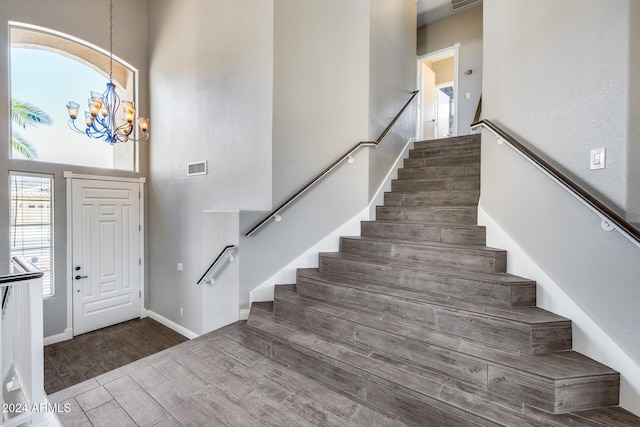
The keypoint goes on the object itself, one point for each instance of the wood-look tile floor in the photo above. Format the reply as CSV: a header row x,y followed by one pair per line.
x,y
86,356
213,380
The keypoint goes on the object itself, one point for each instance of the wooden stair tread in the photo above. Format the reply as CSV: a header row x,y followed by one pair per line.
x,y
498,278
448,142
528,315
444,246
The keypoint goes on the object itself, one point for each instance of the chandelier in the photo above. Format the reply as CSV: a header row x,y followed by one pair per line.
x,y
100,120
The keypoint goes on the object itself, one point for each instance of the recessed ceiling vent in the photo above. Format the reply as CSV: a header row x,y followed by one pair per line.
x,y
458,5
197,168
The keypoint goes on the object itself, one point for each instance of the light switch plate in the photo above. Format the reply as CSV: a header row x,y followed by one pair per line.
x,y
597,159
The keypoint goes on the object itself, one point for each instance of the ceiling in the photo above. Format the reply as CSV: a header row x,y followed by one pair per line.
x,y
434,10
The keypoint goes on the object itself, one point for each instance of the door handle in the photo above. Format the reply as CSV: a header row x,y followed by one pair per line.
x,y
81,277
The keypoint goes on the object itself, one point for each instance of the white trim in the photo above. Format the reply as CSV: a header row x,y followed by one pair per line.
x,y
64,336
172,325
330,243
72,175
244,313
431,56
588,338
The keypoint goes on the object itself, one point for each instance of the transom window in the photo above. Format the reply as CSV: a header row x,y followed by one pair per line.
x,y
47,71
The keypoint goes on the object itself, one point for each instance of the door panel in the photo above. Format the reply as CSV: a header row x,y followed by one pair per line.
x,y
429,102
106,253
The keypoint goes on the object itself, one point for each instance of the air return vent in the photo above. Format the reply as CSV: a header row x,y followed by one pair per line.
x,y
457,5
197,168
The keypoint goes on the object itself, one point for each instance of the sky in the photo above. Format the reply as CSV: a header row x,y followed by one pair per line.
x,y
49,81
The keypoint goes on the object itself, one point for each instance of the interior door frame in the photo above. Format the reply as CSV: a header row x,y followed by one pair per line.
x,y
70,176
434,56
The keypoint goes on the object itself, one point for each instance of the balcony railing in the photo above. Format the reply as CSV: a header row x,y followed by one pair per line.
x,y
21,359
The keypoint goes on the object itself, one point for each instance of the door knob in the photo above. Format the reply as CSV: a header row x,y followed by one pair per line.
x,y
77,268
78,277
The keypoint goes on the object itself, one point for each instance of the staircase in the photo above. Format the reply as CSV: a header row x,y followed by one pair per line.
x,y
418,319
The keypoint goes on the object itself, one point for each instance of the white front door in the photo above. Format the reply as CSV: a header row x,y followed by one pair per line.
x,y
106,258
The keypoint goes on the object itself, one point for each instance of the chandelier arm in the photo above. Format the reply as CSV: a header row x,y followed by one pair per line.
x,y
103,110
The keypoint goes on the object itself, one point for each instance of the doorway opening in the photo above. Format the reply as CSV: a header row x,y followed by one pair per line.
x,y
438,100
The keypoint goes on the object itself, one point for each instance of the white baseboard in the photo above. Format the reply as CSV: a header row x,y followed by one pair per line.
x,y
171,324
52,339
588,338
244,313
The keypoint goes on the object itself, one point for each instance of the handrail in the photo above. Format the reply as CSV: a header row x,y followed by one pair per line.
x,y
610,219
215,262
275,213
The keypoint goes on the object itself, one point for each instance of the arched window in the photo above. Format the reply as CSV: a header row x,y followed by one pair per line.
x,y
49,69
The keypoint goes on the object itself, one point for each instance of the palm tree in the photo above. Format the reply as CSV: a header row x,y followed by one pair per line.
x,y
26,115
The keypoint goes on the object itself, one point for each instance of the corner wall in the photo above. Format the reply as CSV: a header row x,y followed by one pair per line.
x,y
211,74
341,69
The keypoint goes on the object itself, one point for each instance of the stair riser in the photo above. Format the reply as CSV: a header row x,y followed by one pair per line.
x,y
471,169
392,399
460,215
368,302
444,151
476,260
424,232
448,142
441,198
480,292
438,360
590,393
421,162
438,405
452,183
491,331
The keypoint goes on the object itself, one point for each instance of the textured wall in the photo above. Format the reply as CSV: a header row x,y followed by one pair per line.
x,y
564,90
211,73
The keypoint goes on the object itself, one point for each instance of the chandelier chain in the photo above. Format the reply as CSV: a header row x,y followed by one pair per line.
x,y
110,40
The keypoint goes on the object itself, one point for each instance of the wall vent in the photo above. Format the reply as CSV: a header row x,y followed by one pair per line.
x,y
457,5
197,168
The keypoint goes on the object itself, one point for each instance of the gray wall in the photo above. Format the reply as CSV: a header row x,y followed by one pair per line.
x,y
340,70
633,147
392,78
211,73
76,18
564,91
465,28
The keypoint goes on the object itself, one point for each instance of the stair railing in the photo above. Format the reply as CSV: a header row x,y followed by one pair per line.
x,y
227,253
275,214
610,220
21,357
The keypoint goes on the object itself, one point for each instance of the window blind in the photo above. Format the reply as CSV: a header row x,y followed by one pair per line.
x,y
31,223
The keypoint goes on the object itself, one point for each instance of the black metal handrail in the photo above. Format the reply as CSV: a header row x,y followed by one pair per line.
x,y
273,214
605,212
215,262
